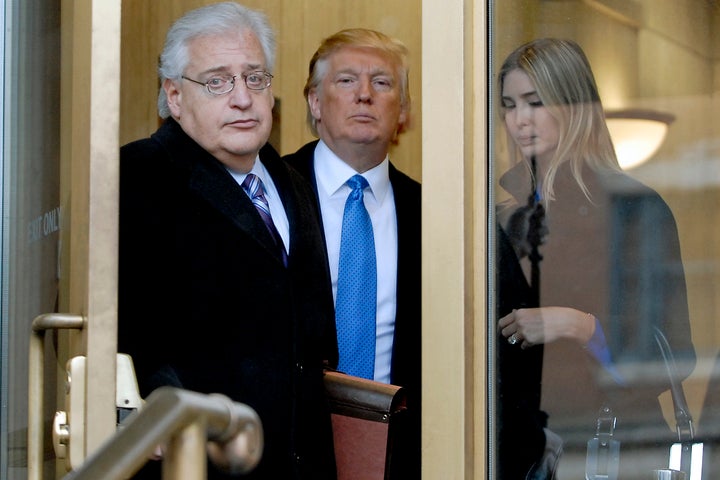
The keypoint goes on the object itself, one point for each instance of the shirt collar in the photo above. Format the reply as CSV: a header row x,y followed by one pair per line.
x,y
331,173
258,169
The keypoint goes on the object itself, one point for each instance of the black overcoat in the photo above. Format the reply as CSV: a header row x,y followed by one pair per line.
x,y
205,305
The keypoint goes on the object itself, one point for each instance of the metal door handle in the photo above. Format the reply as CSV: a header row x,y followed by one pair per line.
x,y
36,390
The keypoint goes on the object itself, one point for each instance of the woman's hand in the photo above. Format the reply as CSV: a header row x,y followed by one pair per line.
x,y
533,326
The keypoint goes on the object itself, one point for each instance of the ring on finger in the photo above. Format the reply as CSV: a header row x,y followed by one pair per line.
x,y
513,339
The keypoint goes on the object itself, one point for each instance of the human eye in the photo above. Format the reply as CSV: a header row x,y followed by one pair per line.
x,y
217,82
507,104
345,80
382,83
255,79
535,102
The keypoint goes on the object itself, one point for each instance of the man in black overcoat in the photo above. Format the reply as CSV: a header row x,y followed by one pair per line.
x,y
208,300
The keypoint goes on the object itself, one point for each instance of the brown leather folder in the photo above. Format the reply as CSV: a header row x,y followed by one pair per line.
x,y
364,417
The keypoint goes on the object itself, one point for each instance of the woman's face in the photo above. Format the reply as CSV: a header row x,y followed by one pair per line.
x,y
527,120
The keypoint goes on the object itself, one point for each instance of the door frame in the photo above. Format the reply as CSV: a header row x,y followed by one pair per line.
x,y
90,106
455,173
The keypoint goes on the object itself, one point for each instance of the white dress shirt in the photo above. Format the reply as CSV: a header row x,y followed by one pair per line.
x,y
331,174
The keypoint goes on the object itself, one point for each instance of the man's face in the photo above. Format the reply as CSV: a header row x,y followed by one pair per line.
x,y
233,126
358,102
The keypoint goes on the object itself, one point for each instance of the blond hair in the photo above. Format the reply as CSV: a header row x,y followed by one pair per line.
x,y
358,38
565,83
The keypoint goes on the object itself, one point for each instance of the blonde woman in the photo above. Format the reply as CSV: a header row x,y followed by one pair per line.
x,y
608,256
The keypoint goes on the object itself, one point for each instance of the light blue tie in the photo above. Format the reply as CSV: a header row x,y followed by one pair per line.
x,y
357,286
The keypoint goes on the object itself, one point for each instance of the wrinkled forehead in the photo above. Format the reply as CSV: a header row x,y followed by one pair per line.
x,y
217,51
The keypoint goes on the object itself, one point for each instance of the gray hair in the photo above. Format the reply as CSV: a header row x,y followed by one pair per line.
x,y
216,19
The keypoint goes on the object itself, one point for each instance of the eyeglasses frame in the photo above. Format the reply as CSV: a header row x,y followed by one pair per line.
x,y
268,77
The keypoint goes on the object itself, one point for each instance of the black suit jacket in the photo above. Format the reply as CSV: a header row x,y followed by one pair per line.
x,y
205,305
406,355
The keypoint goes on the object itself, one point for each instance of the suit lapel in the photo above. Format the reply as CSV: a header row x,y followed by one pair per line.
x,y
303,161
283,185
306,162
211,182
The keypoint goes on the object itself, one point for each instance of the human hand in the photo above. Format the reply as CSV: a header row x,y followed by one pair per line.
x,y
158,453
534,326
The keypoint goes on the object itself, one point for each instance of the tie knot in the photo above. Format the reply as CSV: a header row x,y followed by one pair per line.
x,y
357,182
253,185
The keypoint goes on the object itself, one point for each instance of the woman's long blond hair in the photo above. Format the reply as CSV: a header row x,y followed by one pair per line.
x,y
566,85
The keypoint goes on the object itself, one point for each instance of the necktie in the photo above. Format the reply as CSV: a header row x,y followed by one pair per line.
x,y
253,186
357,286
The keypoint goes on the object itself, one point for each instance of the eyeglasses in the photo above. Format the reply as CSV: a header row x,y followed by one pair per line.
x,y
220,85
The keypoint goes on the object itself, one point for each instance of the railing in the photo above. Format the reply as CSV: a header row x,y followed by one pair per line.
x,y
188,420
36,385
189,425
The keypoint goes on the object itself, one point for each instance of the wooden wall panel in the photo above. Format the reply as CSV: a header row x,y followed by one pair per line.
x,y
300,26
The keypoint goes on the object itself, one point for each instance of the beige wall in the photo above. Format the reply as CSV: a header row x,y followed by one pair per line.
x,y
300,25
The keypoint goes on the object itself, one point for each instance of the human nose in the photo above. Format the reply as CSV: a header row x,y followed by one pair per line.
x,y
364,90
240,95
523,115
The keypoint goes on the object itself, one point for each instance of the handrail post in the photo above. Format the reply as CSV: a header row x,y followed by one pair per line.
x,y
185,457
189,422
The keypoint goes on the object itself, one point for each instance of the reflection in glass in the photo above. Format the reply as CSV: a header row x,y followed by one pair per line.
x,y
638,254
637,134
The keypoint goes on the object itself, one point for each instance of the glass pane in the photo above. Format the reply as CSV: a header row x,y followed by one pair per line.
x,y
30,212
606,177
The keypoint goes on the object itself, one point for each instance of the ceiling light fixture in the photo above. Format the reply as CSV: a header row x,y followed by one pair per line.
x,y
637,134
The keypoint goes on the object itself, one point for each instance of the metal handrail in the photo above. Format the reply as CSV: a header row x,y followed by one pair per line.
x,y
36,379
190,424
233,429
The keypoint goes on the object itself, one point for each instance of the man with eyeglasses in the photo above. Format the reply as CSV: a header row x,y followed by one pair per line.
x,y
220,292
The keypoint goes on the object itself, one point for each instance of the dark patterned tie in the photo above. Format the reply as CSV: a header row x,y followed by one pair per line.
x,y
355,305
253,186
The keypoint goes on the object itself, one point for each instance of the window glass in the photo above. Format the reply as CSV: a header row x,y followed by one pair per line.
x,y
606,176
30,226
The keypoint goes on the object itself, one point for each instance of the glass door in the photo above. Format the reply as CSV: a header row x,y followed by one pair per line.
x,y
31,213
59,150
629,249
